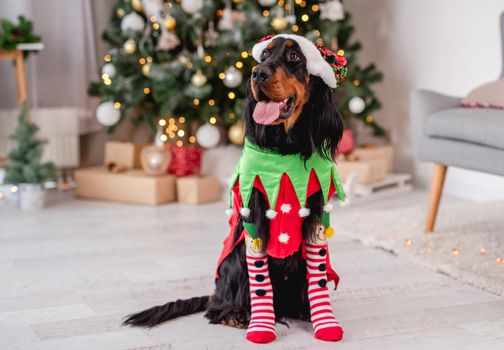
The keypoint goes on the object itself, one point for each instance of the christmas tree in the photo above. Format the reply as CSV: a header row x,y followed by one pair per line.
x,y
183,63
24,161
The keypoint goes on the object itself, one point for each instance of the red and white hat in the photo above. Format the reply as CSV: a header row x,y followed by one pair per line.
x,y
321,62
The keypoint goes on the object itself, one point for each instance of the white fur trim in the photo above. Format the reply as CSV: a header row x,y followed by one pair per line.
x,y
229,211
245,212
271,214
283,238
344,203
304,212
328,207
315,63
285,208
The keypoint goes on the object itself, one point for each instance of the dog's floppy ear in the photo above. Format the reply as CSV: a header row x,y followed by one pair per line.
x,y
325,122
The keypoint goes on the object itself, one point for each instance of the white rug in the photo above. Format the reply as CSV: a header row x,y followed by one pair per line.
x,y
468,243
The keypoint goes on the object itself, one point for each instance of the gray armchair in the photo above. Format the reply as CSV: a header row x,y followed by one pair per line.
x,y
448,135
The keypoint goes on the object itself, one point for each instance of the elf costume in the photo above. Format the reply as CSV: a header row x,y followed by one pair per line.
x,y
286,181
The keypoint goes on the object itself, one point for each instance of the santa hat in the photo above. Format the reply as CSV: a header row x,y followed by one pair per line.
x,y
319,61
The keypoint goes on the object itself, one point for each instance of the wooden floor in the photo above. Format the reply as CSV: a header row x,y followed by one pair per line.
x,y
69,274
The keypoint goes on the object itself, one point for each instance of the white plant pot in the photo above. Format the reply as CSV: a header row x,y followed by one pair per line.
x,y
31,197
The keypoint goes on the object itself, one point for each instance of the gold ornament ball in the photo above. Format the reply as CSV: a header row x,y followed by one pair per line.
x,y
236,133
130,46
120,12
199,79
137,5
170,23
279,23
146,69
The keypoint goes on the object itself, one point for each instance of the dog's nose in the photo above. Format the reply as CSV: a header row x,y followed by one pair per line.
x,y
261,74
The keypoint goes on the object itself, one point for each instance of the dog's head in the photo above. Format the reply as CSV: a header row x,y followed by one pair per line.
x,y
288,109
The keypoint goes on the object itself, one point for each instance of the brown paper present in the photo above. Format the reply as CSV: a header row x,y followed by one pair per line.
x,y
133,186
123,154
198,189
376,152
369,171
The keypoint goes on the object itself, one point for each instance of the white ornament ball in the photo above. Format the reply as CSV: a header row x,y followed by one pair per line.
x,y
267,3
109,69
208,135
199,79
356,105
107,114
192,6
233,77
132,22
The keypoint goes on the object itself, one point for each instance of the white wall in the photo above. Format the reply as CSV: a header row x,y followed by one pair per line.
x,y
450,46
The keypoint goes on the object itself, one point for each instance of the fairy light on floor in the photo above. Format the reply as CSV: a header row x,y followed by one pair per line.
x,y
408,242
428,250
455,251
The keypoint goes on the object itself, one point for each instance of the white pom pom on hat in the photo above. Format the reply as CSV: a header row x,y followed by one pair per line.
x,y
315,62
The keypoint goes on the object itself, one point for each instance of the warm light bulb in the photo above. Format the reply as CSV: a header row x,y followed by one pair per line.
x,y
239,64
341,52
208,58
107,58
196,102
192,139
212,120
369,119
13,189
181,133
244,54
222,75
305,18
162,122
164,138
211,102
141,61
231,95
180,143
181,120
117,105
408,242
146,90
155,26
315,8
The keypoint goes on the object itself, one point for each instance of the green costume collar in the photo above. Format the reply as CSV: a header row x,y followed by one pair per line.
x,y
269,166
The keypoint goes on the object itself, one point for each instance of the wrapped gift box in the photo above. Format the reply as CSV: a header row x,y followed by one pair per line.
x,y
124,154
132,186
369,171
198,189
185,161
376,152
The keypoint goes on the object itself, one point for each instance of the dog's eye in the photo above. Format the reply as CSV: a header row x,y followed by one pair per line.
x,y
264,55
294,57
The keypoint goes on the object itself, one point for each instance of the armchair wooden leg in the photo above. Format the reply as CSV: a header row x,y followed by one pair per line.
x,y
435,196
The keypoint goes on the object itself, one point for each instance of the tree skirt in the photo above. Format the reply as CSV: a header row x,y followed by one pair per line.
x,y
468,244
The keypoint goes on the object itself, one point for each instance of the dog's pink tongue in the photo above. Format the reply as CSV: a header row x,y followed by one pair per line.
x,y
266,112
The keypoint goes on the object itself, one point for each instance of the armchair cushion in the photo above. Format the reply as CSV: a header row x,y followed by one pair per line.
x,y
481,126
488,95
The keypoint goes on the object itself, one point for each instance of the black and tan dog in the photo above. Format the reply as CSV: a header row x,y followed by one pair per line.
x,y
275,262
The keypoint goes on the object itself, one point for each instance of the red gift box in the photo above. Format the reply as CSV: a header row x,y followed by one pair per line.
x,y
347,143
186,160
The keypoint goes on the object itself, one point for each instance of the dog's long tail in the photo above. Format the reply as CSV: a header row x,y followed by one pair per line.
x,y
158,314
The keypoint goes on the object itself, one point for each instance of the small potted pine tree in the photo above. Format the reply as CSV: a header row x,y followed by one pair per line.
x,y
25,168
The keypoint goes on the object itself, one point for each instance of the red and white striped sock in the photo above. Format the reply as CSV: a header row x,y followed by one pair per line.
x,y
261,328
324,323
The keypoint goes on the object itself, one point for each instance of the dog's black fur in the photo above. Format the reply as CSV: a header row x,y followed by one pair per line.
x,y
318,129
